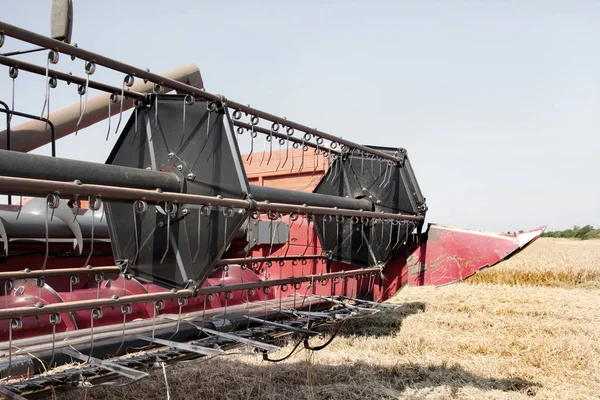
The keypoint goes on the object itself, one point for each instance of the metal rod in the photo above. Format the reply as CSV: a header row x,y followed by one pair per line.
x,y
55,308
127,372
21,52
37,187
36,69
240,339
9,394
229,261
42,167
44,41
283,326
8,115
9,275
315,132
193,348
288,208
40,345
62,169
279,135
71,306
8,118
34,117
12,163
32,134
272,194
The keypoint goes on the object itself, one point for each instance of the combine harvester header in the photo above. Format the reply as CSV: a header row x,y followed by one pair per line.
x,y
169,247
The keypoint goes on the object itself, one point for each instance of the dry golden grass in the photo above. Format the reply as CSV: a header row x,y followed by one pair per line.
x,y
509,339
549,262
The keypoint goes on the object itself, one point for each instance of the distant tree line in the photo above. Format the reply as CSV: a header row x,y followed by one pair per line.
x,y
583,233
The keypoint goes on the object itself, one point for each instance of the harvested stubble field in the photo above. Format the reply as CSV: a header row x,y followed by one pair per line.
x,y
526,329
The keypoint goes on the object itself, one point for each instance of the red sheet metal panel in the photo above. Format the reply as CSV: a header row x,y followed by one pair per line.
x,y
453,254
394,278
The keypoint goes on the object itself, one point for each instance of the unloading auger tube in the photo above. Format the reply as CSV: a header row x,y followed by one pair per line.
x,y
181,242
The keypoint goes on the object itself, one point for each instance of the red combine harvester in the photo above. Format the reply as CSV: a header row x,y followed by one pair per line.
x,y
182,247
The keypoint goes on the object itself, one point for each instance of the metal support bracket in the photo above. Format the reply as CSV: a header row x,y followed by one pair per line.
x,y
314,314
372,303
239,339
191,348
283,326
110,366
9,394
349,306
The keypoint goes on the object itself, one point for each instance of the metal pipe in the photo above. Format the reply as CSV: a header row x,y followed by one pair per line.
x,y
35,166
42,167
40,188
44,41
35,118
229,261
289,208
84,333
272,194
10,275
72,306
31,135
52,73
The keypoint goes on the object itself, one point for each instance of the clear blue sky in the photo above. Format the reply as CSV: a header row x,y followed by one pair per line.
x,y
497,102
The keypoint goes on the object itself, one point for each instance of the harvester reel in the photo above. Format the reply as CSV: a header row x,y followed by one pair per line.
x,y
390,187
172,248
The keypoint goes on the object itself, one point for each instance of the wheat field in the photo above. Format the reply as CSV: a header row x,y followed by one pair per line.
x,y
528,328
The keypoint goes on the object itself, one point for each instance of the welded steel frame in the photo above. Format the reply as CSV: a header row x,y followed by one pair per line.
x,y
49,43
70,78
48,273
9,113
40,188
72,306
